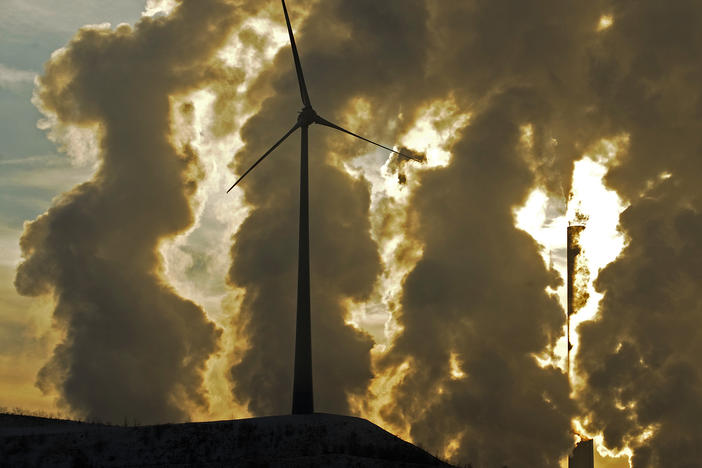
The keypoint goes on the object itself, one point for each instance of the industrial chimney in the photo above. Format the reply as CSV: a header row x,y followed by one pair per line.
x,y
583,455
573,243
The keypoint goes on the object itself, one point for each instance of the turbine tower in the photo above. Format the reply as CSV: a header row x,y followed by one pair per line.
x,y
303,400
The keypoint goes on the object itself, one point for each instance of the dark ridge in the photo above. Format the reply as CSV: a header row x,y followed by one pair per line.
x,y
277,441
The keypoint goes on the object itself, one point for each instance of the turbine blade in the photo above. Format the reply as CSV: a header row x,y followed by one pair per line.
x,y
296,57
327,123
295,127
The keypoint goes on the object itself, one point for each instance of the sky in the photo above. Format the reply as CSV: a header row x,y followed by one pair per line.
x,y
134,288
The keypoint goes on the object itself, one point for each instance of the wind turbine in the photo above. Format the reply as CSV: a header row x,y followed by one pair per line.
x,y
303,401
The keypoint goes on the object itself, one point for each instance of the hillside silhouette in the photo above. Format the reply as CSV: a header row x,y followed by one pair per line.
x,y
276,441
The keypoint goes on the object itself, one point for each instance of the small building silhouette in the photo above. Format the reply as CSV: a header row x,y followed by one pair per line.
x,y
583,455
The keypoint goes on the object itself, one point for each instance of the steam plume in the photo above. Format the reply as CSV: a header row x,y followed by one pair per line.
x,y
344,257
133,348
640,357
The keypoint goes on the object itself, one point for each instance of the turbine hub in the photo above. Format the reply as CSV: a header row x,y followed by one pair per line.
x,y
306,116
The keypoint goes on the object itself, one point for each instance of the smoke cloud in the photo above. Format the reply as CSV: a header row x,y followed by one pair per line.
x,y
132,348
578,274
574,80
477,297
475,313
473,316
640,357
344,258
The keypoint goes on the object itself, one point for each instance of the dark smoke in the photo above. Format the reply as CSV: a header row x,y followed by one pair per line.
x,y
398,164
578,85
478,293
640,357
344,258
577,273
133,348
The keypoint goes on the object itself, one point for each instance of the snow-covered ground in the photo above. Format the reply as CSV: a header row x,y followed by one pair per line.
x,y
281,441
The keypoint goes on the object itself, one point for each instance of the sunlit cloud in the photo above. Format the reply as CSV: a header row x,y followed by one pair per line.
x,y
455,367
12,78
600,240
432,134
380,395
158,7
392,183
435,129
606,21
452,447
196,261
251,59
598,208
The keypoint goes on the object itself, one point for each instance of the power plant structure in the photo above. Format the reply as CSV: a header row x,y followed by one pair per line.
x,y
583,453
573,250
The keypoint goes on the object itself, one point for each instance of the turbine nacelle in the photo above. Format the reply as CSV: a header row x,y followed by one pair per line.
x,y
307,116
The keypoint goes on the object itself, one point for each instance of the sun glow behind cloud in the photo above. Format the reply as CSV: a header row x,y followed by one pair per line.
x,y
392,182
606,21
196,261
614,100
159,7
455,366
601,242
435,129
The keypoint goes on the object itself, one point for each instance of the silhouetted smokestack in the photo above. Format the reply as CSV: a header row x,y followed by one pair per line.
x,y
583,455
573,251
573,243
